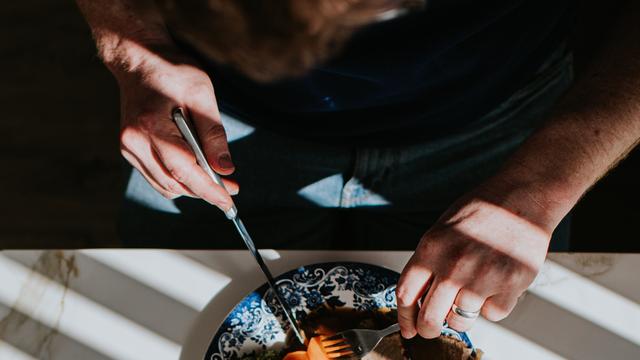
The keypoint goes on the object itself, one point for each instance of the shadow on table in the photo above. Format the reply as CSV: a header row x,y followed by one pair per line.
x,y
96,305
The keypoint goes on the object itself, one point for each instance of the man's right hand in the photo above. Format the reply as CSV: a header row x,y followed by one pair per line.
x,y
151,141
155,78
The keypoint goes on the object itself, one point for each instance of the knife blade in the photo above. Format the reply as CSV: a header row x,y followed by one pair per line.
x,y
190,135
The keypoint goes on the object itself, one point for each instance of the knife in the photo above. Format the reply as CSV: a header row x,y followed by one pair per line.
x,y
189,134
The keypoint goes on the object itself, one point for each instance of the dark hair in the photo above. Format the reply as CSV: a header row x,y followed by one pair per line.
x,y
272,39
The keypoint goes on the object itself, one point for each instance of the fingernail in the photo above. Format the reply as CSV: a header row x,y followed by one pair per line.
x,y
225,161
233,192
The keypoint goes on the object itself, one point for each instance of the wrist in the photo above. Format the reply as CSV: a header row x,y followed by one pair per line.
x,y
124,56
540,202
128,33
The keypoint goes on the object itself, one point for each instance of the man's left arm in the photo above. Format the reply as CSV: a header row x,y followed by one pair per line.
x,y
489,246
594,127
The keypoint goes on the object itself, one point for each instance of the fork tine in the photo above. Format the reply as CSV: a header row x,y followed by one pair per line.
x,y
327,343
338,347
340,355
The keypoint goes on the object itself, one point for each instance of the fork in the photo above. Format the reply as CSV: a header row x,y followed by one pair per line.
x,y
355,343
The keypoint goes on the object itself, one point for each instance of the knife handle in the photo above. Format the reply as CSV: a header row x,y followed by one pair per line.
x,y
189,133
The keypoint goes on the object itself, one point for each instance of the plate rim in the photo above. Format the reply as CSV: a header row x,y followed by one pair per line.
x,y
464,335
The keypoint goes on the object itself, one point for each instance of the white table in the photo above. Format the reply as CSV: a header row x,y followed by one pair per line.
x,y
159,304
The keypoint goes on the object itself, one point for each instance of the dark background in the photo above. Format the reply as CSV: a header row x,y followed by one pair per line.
x,y
60,169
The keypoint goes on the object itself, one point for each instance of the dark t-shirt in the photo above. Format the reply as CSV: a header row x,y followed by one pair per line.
x,y
424,75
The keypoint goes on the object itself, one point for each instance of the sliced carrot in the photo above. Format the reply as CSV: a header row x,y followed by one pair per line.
x,y
315,351
296,355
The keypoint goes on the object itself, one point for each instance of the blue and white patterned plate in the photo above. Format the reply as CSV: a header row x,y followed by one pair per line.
x,y
256,323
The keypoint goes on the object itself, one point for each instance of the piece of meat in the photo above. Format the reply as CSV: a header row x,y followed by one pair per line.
x,y
393,347
390,348
441,348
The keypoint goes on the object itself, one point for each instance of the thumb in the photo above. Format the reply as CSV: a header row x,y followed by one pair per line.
x,y
213,137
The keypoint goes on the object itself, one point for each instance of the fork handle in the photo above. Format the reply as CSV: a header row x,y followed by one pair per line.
x,y
188,132
390,330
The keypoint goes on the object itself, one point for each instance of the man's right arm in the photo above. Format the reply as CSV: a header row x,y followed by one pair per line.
x,y
155,77
124,30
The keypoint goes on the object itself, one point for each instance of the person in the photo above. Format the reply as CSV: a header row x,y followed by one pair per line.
x,y
449,127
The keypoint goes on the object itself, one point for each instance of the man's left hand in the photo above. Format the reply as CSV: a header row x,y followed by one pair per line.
x,y
481,255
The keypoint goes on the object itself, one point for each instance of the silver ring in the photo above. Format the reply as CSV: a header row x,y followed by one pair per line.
x,y
464,313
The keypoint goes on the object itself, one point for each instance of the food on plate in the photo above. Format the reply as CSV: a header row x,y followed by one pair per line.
x,y
314,351
324,323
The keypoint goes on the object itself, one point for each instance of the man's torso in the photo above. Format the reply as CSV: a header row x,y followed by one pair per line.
x,y
417,77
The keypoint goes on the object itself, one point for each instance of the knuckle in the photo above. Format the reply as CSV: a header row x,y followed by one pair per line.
x,y
405,318
515,280
431,323
403,297
202,95
492,312
429,329
146,120
512,281
129,136
201,90
457,257
448,283
178,173
429,247
173,187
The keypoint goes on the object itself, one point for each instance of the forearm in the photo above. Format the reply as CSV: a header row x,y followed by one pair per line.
x,y
127,32
592,128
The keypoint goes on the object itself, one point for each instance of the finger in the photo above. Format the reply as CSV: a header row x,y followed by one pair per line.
x,y
165,129
137,145
160,173
412,284
466,300
232,187
498,307
206,118
180,162
435,308
133,160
